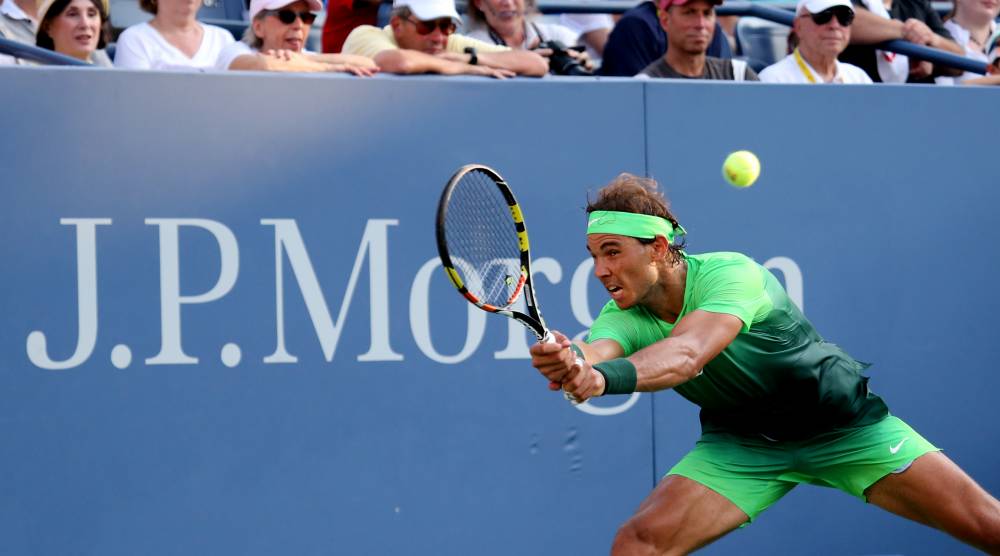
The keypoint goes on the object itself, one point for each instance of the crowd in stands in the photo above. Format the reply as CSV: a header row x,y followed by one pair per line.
x,y
831,41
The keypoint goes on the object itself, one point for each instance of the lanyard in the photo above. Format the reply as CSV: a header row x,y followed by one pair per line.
x,y
804,67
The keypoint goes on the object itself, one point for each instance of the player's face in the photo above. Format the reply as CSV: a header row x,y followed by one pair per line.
x,y
689,27
76,31
276,34
626,268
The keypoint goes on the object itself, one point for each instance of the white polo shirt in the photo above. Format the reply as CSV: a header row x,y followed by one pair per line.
x,y
787,70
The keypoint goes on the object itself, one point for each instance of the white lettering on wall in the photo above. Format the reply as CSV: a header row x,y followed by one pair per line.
x,y
374,245
793,278
86,287
420,317
171,352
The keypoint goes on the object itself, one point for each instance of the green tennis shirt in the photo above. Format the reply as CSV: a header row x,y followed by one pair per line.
x,y
778,378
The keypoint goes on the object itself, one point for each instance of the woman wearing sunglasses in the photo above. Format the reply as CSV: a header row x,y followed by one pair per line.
x,y
276,41
76,28
173,39
823,29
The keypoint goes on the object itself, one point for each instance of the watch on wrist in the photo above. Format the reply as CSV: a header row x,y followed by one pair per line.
x,y
473,55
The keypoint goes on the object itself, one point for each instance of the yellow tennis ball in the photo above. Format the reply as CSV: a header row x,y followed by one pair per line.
x,y
741,168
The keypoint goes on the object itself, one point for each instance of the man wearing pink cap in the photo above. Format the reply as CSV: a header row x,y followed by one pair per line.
x,y
276,40
823,28
421,38
689,25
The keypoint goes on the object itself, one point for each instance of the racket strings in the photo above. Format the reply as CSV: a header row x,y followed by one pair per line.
x,y
482,240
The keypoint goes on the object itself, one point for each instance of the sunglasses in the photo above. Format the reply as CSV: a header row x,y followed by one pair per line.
x,y
445,24
288,16
844,16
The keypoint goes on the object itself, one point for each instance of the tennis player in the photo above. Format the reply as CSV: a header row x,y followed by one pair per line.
x,y
779,405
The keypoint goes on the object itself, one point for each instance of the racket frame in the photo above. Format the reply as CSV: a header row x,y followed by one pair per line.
x,y
533,318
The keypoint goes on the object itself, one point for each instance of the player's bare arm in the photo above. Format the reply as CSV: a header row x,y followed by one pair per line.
x,y
697,339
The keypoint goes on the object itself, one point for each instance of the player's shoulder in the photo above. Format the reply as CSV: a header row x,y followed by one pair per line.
x,y
721,258
723,265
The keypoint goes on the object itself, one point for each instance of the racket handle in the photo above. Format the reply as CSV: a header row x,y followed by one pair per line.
x,y
549,338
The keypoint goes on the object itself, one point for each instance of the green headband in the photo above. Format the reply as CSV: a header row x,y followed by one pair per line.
x,y
631,224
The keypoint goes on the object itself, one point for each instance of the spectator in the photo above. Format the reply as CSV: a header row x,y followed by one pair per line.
x,y
18,20
173,39
992,76
76,28
823,29
971,23
342,16
507,23
276,39
420,38
5,60
690,26
638,39
911,20
593,30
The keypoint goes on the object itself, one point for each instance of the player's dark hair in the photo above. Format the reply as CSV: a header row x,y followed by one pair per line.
x,y
632,193
148,6
44,40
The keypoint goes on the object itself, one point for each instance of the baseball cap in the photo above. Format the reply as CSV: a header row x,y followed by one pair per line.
x,y
256,6
426,10
816,6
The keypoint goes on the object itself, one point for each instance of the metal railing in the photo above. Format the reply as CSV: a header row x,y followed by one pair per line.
x,y
36,54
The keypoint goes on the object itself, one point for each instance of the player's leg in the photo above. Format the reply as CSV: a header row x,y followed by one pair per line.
x,y
724,483
936,492
679,516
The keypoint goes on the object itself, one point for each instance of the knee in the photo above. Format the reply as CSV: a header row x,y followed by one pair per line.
x,y
636,538
986,527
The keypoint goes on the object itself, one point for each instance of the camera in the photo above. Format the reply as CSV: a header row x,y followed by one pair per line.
x,y
561,62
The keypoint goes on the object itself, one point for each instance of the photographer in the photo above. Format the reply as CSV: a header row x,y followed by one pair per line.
x,y
512,23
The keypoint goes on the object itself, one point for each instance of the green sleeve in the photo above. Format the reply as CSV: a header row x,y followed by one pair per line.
x,y
615,324
735,287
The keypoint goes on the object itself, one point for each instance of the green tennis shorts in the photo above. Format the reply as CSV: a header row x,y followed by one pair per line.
x,y
755,473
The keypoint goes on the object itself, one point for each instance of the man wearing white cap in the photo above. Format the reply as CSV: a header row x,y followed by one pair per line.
x,y
421,38
276,40
823,28
690,26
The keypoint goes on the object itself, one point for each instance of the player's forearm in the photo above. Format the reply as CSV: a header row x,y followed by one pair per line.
x,y
869,28
666,364
521,62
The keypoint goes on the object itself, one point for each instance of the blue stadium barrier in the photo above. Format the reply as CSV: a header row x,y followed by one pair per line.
x,y
225,329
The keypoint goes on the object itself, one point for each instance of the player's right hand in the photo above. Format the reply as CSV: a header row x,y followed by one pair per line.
x,y
554,360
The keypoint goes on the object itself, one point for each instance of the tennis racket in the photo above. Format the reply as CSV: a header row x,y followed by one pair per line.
x,y
483,244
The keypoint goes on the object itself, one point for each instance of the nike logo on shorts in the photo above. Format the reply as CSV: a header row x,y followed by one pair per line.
x,y
894,449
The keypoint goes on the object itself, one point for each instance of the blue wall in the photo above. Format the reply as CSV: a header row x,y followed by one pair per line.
x,y
408,424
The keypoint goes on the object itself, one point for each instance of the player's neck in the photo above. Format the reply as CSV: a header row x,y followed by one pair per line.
x,y
690,65
667,306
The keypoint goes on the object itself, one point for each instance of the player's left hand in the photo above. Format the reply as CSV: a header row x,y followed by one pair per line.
x,y
583,382
554,360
